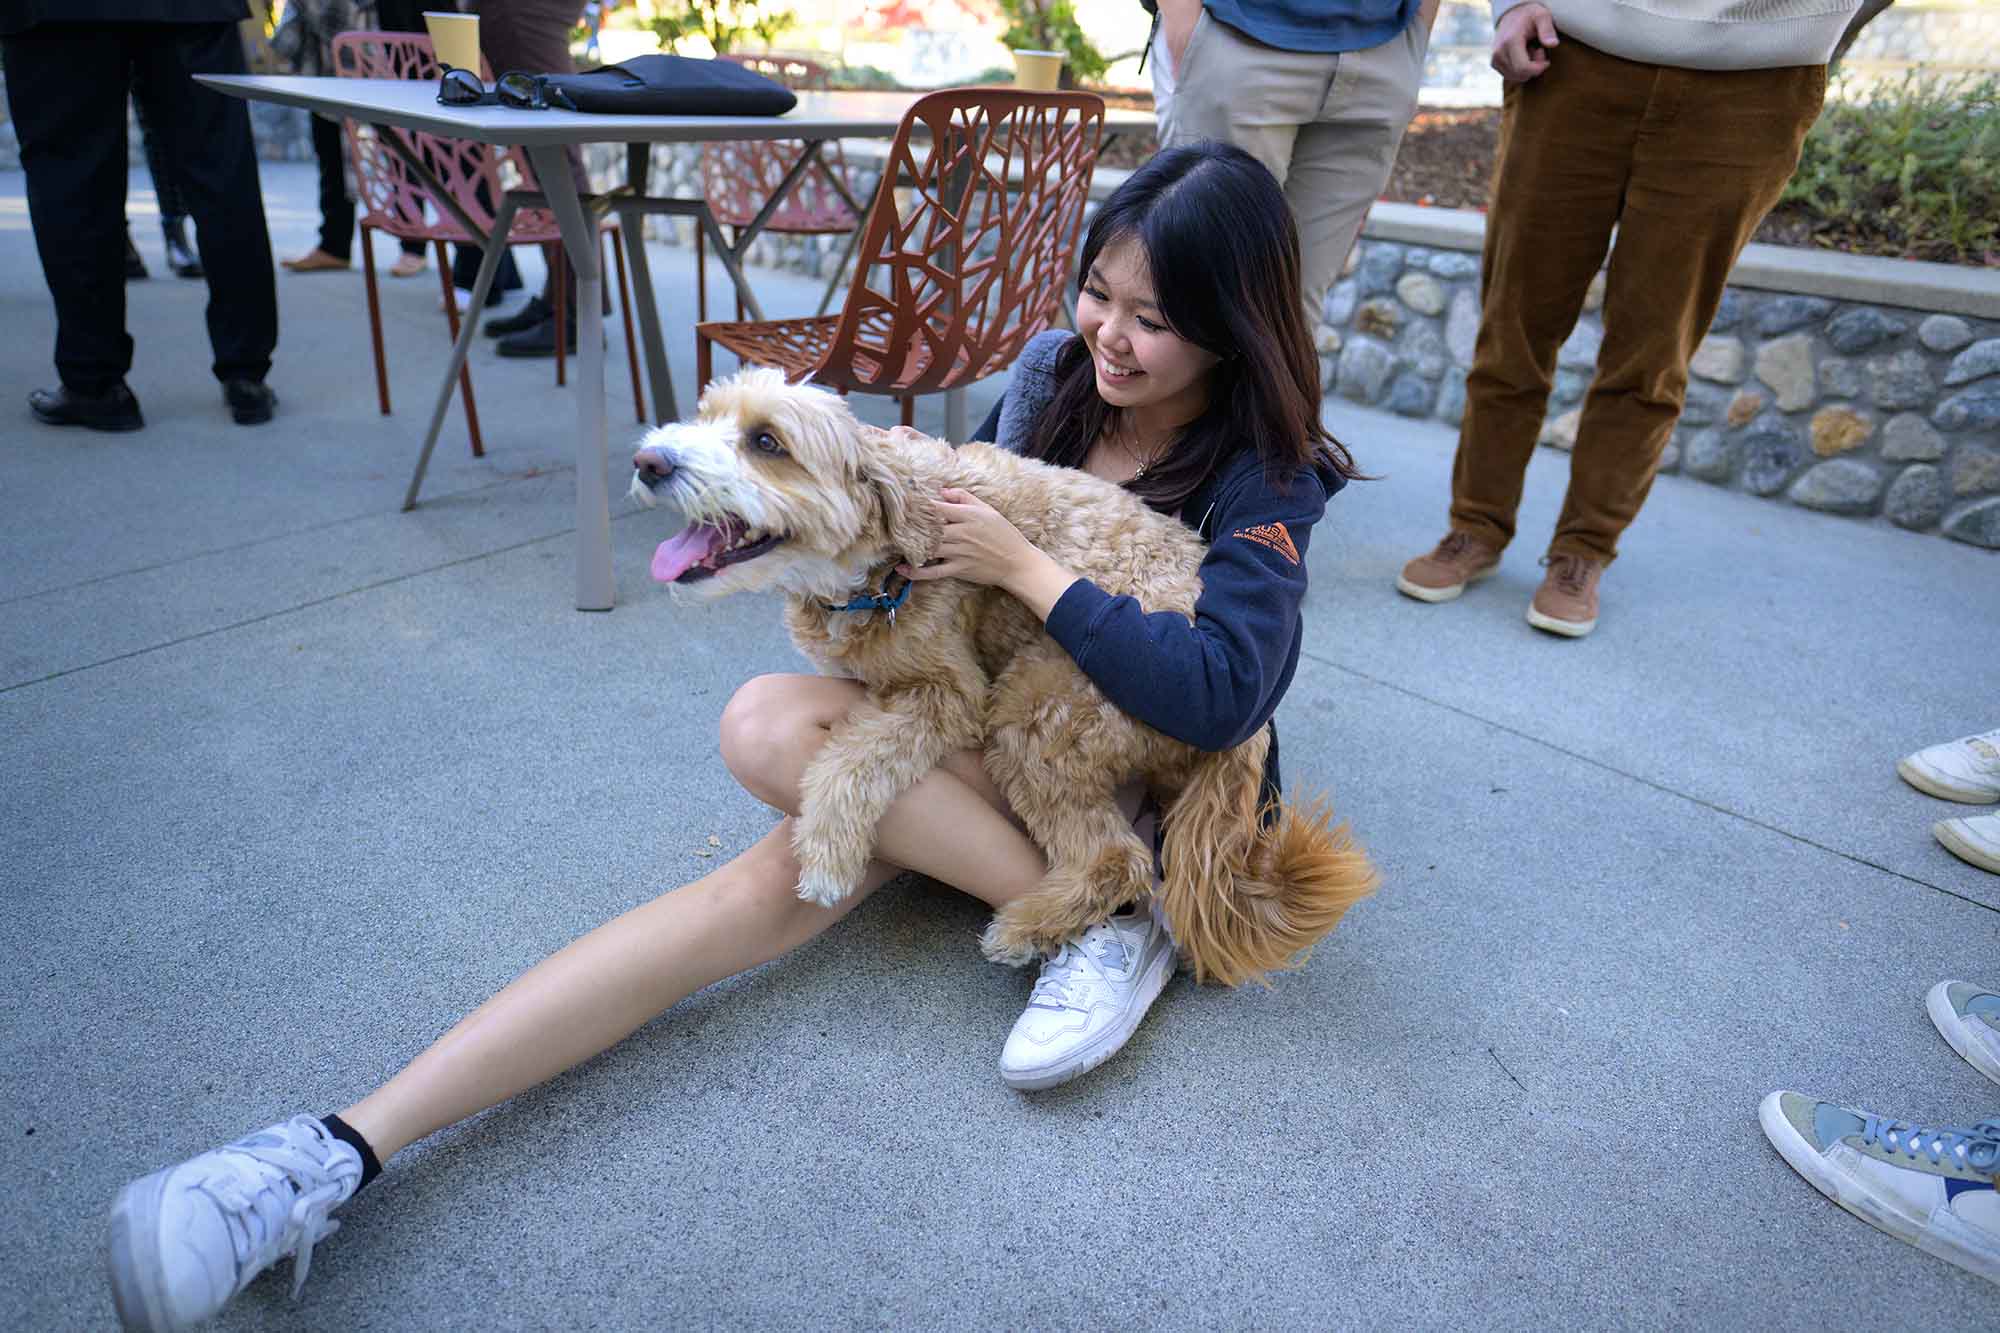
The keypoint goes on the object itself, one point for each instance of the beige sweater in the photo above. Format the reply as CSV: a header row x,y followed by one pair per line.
x,y
1703,34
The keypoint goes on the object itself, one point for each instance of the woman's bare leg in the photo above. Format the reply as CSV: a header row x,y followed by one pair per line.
x,y
621,975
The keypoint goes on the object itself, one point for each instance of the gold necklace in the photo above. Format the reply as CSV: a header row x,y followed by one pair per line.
x,y
1144,464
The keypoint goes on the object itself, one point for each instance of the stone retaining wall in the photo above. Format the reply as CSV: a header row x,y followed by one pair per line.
x,y
1850,406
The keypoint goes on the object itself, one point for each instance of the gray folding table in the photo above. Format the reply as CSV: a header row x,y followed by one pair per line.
x,y
399,104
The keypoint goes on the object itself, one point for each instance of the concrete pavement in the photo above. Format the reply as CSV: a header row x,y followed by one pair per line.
x,y
293,780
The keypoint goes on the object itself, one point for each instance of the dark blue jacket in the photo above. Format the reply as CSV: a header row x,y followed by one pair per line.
x,y
1212,683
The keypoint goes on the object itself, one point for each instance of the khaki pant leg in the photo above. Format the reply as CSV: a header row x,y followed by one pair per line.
x,y
1341,160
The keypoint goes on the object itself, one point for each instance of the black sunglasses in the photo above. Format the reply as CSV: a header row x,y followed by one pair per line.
x,y
531,92
461,87
521,91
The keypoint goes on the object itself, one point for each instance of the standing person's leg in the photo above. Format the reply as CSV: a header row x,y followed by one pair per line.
x,y
67,85
404,16
1245,93
166,190
336,211
206,139
186,1239
1712,158
1343,158
1566,143
533,36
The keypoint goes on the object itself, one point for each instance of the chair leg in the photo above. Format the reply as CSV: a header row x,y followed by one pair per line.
x,y
625,309
557,266
909,409
703,354
464,372
735,235
700,274
374,316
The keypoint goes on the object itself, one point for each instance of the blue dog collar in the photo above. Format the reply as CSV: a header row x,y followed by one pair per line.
x,y
881,601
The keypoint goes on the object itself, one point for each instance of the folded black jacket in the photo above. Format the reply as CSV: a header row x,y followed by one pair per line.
x,y
665,85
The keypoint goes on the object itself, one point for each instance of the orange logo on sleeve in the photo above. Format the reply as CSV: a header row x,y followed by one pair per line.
x,y
1273,535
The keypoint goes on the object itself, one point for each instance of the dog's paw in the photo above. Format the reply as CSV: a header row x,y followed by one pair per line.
x,y
1004,944
816,886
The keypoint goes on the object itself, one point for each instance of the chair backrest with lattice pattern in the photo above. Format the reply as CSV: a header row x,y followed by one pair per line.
x,y
971,239
738,176
391,196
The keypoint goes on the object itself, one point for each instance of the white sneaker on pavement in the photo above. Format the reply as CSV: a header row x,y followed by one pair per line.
x,y
1088,1001
1973,839
1930,1186
1968,1017
186,1239
1965,770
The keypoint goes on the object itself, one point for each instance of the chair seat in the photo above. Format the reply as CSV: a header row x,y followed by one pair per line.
x,y
531,226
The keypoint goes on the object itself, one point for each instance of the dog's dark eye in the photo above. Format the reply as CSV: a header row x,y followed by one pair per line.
x,y
766,443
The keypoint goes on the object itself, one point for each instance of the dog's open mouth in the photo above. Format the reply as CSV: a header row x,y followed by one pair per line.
x,y
702,550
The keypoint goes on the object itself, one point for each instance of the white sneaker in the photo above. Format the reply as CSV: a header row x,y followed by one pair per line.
x,y
1973,839
1968,1017
1966,770
186,1239
1088,1001
1931,1187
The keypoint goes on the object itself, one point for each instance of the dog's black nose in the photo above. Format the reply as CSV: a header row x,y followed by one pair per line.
x,y
652,468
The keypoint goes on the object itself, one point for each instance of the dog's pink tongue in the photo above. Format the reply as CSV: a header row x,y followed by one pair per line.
x,y
679,554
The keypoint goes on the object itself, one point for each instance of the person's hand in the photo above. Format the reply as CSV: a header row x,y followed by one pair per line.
x,y
1522,42
1177,20
977,544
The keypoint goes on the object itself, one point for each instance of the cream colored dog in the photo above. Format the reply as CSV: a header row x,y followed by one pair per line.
x,y
783,488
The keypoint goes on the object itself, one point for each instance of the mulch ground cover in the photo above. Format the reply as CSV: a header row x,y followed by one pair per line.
x,y
1446,161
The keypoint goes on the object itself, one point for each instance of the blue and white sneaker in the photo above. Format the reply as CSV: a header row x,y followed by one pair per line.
x,y
186,1239
1932,1187
1969,1018
1088,1001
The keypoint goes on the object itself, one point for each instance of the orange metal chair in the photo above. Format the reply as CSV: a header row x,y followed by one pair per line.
x,y
965,255
396,201
738,176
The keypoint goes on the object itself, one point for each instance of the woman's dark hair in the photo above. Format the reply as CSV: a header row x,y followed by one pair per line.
x,y
1224,258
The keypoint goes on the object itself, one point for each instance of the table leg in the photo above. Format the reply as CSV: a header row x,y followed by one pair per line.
x,y
638,171
595,587
488,266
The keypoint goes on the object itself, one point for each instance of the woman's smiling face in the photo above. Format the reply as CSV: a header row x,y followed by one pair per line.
x,y
1141,364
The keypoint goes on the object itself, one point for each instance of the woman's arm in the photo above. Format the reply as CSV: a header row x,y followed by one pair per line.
x,y
1211,683
1214,682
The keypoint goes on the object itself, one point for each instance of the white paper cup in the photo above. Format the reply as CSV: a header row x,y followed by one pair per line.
x,y
455,38
1038,71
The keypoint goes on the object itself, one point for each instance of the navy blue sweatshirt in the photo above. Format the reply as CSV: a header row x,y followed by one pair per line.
x,y
1212,683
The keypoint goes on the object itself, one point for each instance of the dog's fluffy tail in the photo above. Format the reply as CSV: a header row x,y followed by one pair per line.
x,y
1244,900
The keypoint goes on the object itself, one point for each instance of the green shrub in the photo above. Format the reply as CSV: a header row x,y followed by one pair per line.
x,y
1913,166
727,24
1050,25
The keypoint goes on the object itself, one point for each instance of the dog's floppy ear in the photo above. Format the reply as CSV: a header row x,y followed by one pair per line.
x,y
909,512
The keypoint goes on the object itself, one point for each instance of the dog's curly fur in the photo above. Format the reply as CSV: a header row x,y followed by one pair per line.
x,y
785,489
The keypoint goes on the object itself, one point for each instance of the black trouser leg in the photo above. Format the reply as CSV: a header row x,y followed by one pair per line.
x,y
205,138
166,192
66,89
403,16
336,210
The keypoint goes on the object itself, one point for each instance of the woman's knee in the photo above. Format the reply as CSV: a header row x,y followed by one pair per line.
x,y
770,728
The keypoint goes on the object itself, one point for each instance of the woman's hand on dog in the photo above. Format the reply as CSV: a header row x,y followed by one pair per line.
x,y
980,546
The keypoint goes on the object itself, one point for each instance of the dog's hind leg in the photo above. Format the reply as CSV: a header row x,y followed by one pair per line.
x,y
1057,750
877,752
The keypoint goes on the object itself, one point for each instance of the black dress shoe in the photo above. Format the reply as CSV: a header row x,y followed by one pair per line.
x,y
538,341
525,318
181,258
135,267
113,409
251,402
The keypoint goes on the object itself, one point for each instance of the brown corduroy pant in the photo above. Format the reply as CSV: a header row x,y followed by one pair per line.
x,y
1684,163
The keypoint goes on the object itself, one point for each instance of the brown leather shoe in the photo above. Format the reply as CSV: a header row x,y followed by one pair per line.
x,y
315,260
407,266
1442,575
1566,603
